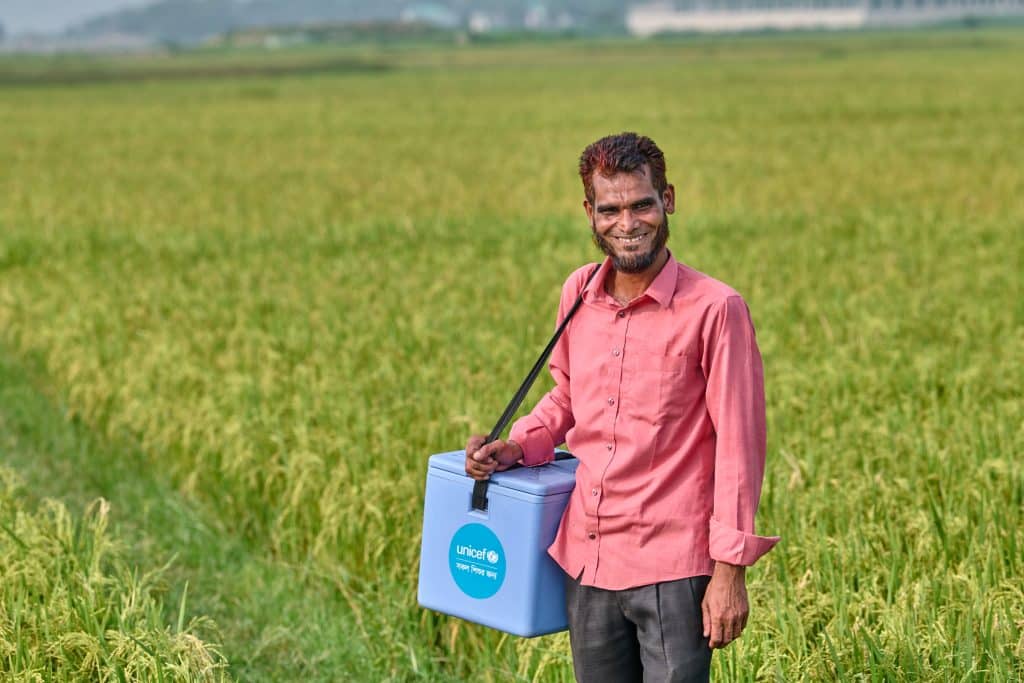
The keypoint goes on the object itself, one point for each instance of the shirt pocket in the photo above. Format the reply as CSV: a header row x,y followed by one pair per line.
x,y
673,384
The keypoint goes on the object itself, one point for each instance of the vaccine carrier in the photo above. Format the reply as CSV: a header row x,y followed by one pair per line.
x,y
491,566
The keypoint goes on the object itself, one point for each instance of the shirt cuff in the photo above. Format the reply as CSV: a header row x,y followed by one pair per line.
x,y
535,440
733,546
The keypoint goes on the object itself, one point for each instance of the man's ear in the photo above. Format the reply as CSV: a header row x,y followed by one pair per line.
x,y
589,208
668,198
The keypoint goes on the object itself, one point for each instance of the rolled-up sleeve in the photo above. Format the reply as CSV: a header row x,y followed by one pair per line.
x,y
551,419
735,403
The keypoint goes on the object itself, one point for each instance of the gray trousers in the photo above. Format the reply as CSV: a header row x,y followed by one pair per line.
x,y
648,634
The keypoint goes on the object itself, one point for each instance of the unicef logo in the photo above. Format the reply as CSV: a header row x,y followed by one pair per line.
x,y
476,561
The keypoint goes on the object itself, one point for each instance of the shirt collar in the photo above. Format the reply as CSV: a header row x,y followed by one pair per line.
x,y
661,289
664,285
595,288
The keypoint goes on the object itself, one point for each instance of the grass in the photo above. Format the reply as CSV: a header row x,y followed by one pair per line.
x,y
246,311
72,608
33,71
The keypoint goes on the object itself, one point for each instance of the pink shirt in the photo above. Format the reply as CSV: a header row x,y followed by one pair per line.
x,y
662,402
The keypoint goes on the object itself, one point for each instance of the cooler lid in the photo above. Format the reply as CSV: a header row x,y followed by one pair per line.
x,y
544,480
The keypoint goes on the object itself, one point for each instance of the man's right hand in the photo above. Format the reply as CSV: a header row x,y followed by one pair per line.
x,y
498,455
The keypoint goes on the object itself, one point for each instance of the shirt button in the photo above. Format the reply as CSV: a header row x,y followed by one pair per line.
x,y
593,492
611,401
608,446
615,352
591,535
622,314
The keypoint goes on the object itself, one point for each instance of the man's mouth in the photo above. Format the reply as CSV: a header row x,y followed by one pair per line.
x,y
632,239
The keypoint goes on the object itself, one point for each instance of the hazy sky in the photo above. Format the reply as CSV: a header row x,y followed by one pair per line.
x,y
50,16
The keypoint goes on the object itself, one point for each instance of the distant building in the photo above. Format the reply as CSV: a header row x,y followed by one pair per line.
x,y
539,17
536,17
484,21
480,22
719,16
430,13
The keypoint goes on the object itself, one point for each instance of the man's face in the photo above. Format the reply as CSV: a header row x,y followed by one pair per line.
x,y
629,218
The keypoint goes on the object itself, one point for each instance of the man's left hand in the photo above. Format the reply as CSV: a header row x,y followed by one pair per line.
x,y
725,605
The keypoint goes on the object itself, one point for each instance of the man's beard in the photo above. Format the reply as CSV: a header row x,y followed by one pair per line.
x,y
635,263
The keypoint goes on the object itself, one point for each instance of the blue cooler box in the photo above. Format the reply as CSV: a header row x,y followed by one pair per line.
x,y
492,567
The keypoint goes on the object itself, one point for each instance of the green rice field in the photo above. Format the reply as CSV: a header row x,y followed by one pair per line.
x,y
244,296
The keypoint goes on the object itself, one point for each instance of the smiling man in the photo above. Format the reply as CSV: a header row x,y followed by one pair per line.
x,y
659,393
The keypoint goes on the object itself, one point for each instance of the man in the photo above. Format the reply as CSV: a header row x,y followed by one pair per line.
x,y
659,393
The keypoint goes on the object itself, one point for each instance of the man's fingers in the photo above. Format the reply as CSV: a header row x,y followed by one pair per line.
x,y
723,630
732,629
488,453
478,471
738,624
716,634
480,461
483,459
707,620
482,465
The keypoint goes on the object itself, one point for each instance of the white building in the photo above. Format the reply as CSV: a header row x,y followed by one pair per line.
x,y
718,16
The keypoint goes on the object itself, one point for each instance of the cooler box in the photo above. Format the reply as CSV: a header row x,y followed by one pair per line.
x,y
492,567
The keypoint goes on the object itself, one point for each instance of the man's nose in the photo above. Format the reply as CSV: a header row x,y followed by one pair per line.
x,y
627,221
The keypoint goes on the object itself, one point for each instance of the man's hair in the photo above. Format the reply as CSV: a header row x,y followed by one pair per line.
x,y
622,153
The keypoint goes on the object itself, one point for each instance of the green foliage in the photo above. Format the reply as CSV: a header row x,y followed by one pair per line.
x,y
288,292
85,70
71,609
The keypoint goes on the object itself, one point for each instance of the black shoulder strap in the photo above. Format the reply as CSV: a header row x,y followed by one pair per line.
x,y
480,487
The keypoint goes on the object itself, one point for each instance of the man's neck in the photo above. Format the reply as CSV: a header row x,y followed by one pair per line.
x,y
624,287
